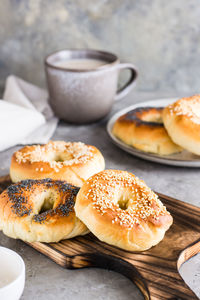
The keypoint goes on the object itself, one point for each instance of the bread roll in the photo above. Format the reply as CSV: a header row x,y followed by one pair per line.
x,y
182,122
143,129
119,209
40,210
73,162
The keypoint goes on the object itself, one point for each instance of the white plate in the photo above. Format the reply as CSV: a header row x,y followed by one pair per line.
x,y
183,159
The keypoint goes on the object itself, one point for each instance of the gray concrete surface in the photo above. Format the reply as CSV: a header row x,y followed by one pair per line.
x,y
161,37
46,280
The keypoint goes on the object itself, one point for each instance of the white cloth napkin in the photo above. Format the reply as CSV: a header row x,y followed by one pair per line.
x,y
25,115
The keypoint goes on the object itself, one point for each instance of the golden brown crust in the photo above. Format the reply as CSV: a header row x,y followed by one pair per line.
x,y
121,210
182,122
40,210
73,162
142,128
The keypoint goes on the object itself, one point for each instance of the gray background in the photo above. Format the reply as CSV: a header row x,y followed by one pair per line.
x,y
160,37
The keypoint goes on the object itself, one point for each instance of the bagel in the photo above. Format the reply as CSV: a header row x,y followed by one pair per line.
x,y
40,210
143,129
182,122
121,210
72,162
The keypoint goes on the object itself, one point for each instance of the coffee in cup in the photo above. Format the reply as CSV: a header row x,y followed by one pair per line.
x,y
82,84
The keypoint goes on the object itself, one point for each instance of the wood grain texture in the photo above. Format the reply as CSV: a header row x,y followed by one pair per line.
x,y
154,271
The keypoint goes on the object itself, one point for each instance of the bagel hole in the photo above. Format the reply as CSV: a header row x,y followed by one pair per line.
x,y
59,159
123,203
62,157
47,204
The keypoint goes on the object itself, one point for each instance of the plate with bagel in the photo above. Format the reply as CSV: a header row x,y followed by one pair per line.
x,y
165,131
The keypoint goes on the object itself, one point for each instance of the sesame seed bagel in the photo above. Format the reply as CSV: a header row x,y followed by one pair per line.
x,y
121,210
143,129
40,210
182,122
73,162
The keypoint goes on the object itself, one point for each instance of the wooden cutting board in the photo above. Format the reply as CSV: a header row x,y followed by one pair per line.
x,y
154,271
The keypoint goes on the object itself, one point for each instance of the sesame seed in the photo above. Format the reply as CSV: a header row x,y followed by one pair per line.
x,y
189,107
108,187
71,153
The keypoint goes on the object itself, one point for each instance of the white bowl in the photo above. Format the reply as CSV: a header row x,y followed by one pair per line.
x,y
12,275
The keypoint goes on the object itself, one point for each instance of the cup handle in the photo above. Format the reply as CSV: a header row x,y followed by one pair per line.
x,y
123,91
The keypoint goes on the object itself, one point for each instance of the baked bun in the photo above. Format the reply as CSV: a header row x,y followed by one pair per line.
x,y
182,122
143,129
121,210
40,210
72,162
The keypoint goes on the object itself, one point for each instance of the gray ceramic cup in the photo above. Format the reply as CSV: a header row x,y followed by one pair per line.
x,y
83,96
